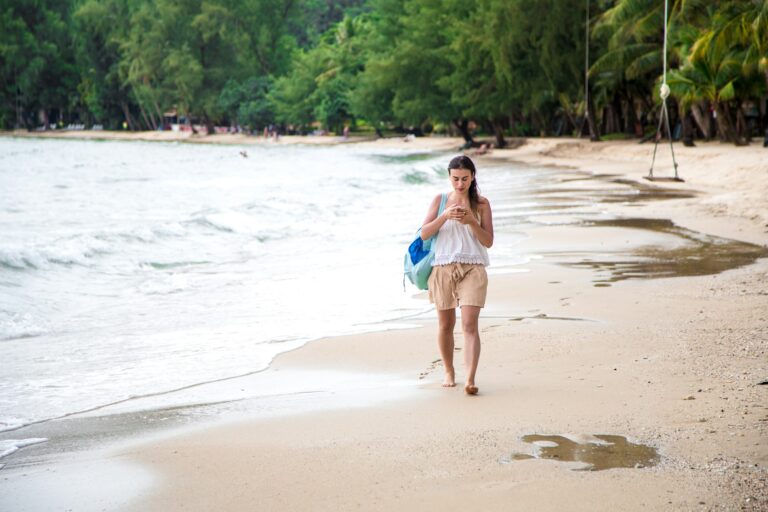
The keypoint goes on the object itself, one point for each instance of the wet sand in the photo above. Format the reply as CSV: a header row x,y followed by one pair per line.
x,y
652,330
650,360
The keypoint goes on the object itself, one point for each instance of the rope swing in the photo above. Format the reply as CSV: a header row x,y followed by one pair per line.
x,y
664,113
586,75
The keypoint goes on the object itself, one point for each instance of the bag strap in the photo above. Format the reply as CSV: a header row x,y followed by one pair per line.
x,y
443,200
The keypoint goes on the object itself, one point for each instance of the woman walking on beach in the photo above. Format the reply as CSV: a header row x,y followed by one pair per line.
x,y
458,278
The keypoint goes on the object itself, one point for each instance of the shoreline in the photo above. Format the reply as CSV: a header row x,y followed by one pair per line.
x,y
230,139
733,180
560,356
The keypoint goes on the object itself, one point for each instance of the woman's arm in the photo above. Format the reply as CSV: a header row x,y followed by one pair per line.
x,y
433,223
483,229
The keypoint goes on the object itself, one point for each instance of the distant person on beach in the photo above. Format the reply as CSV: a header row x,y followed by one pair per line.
x,y
458,278
484,149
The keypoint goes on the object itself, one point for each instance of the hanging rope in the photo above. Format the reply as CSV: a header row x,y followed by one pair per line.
x,y
586,72
664,113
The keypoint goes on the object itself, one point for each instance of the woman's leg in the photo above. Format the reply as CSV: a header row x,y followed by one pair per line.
x,y
469,321
446,321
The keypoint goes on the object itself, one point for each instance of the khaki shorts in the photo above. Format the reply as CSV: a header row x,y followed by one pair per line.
x,y
458,284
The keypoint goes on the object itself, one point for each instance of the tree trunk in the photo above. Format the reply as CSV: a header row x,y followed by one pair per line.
x,y
159,113
463,127
605,120
725,129
128,118
617,114
702,121
153,119
498,131
209,125
630,117
765,117
610,119
570,122
687,128
594,132
511,121
147,123
742,129
191,125
538,125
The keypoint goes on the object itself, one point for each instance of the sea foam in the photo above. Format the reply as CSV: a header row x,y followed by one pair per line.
x,y
19,326
9,446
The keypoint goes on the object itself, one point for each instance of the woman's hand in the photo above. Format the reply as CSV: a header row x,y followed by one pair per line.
x,y
455,212
468,218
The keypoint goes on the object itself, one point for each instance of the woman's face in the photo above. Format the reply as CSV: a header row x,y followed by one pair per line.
x,y
461,179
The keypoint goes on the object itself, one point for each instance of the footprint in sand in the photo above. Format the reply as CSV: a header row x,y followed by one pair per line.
x,y
434,365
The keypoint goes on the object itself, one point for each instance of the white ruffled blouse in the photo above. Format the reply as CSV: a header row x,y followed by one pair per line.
x,y
457,244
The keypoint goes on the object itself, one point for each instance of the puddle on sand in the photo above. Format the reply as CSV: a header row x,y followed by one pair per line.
x,y
699,255
632,192
577,194
599,453
645,192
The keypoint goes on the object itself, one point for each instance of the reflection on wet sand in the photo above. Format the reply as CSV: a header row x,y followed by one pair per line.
x,y
699,254
636,192
554,199
597,453
580,195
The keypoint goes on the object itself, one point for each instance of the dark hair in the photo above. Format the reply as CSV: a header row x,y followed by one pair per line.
x,y
464,162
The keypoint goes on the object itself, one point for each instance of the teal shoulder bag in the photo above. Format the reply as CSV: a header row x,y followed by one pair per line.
x,y
421,254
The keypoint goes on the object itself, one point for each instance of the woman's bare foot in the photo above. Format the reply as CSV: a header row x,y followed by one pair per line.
x,y
450,379
471,389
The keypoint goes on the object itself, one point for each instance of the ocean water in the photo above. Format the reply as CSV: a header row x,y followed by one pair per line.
x,y
130,269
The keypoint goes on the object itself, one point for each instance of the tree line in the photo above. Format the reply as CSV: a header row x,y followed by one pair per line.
x,y
502,68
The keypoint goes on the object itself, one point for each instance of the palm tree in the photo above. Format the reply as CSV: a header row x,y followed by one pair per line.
x,y
743,23
711,79
633,34
741,30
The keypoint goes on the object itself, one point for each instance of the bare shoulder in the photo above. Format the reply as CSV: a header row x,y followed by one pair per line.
x,y
434,205
483,201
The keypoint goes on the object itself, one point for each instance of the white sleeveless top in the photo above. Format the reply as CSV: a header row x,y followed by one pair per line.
x,y
457,244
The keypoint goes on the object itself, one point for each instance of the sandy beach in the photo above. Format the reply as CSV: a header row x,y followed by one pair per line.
x,y
573,346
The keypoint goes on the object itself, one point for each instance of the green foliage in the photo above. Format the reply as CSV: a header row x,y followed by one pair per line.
x,y
318,86
36,59
247,103
510,66
292,94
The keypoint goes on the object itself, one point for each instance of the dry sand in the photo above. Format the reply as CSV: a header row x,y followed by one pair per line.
x,y
669,363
